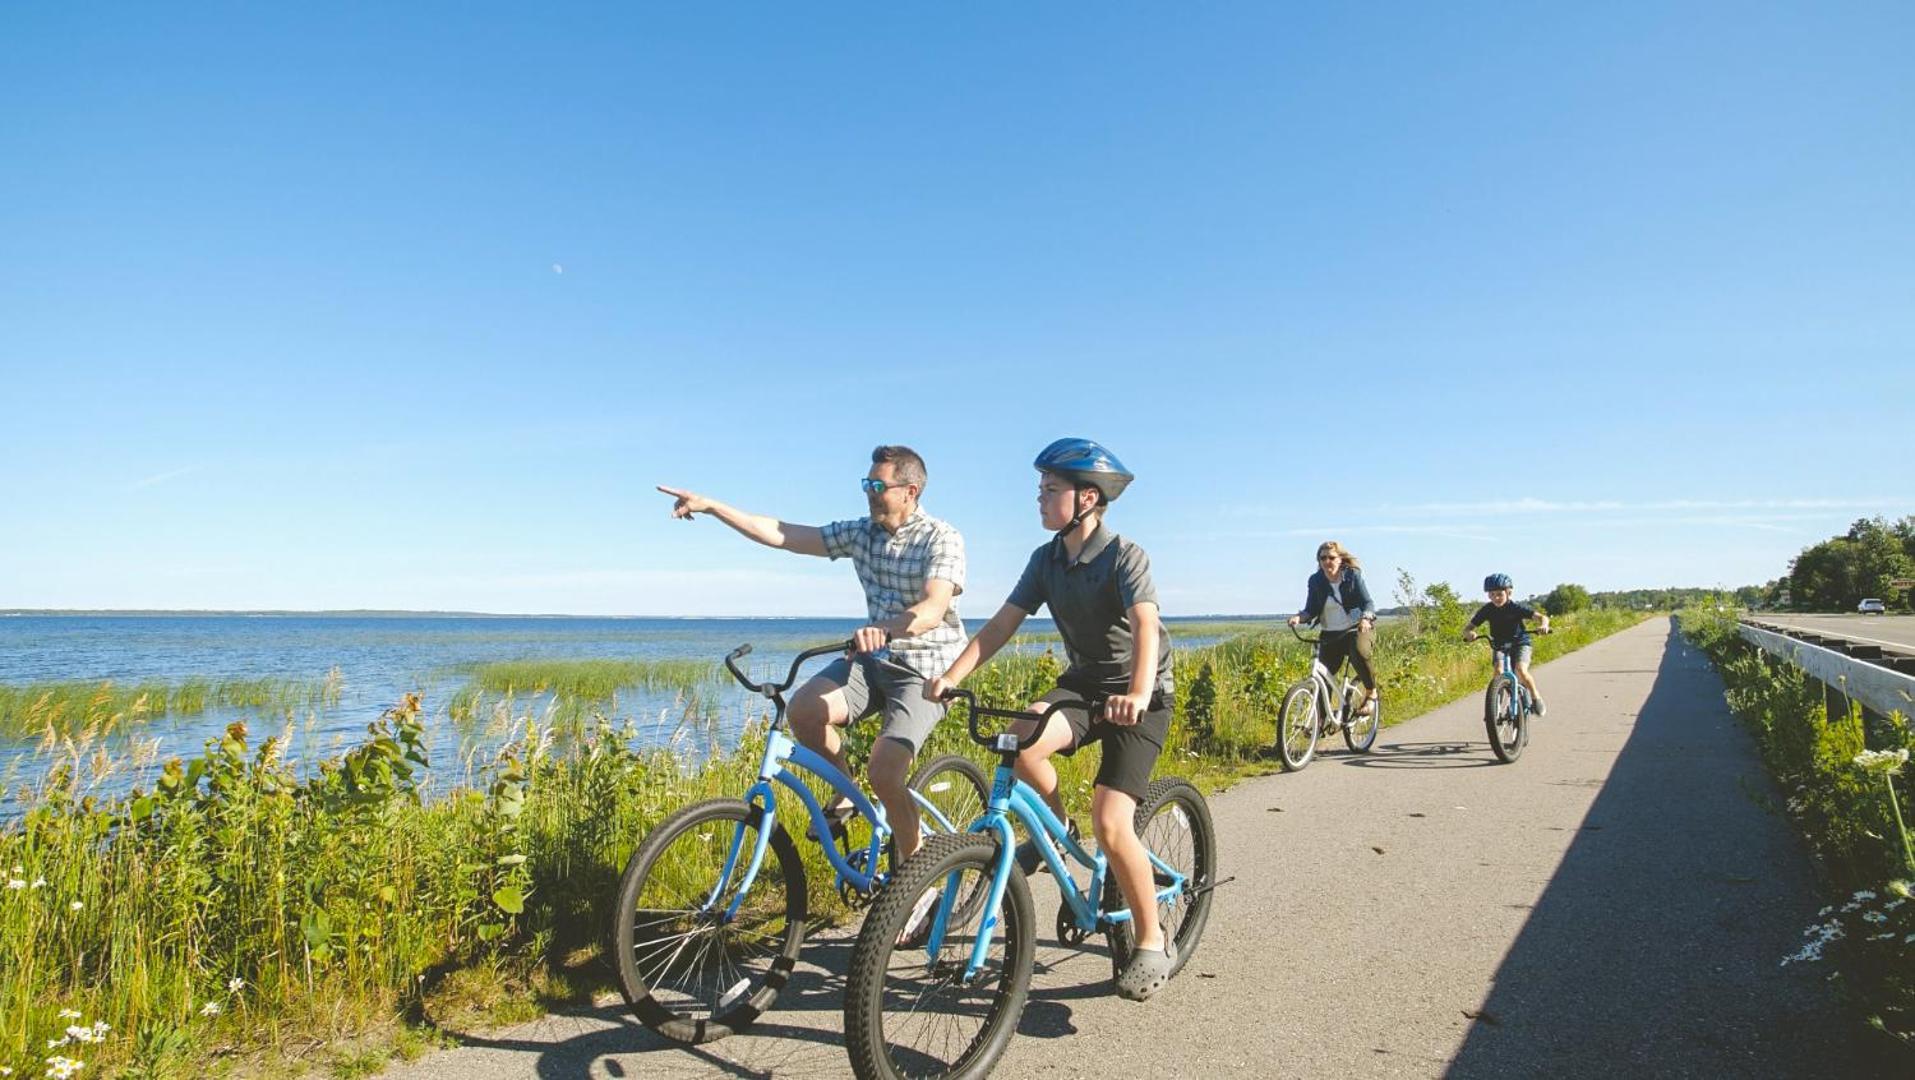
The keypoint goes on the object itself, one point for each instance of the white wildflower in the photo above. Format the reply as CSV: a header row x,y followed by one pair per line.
x,y
235,985
69,1014
60,1068
4,1071
1893,904
55,1044
39,883
75,906
1880,937
1874,917
1819,938
100,1028
211,1008
1881,762
1864,894
85,1034
16,883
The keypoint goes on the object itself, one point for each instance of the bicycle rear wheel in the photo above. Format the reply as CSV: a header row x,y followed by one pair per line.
x,y
957,787
689,971
1359,734
909,1013
1173,821
1297,726
1503,720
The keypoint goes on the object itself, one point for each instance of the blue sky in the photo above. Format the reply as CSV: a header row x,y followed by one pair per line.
x,y
360,307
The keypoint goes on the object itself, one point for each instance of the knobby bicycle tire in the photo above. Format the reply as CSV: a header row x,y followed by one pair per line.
x,y
1504,720
928,991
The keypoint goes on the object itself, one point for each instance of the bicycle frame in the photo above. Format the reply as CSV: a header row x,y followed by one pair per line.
x,y
762,796
1327,689
1519,697
1011,796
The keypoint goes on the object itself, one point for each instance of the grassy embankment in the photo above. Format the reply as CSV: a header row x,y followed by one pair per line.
x,y
1838,774
248,917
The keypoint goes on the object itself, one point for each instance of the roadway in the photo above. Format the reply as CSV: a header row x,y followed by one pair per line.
x,y
1889,631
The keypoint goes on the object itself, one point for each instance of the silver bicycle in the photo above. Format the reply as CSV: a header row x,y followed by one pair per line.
x,y
1318,705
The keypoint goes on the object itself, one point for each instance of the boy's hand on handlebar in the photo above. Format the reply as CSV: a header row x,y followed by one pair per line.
x,y
1126,709
937,689
688,503
870,639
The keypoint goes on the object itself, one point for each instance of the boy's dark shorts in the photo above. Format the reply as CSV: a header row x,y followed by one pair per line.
x,y
1130,753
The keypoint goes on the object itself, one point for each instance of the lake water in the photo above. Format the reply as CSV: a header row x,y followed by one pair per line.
x,y
381,658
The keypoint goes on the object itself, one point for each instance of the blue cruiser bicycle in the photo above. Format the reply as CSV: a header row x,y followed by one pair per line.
x,y
712,906
942,967
1506,705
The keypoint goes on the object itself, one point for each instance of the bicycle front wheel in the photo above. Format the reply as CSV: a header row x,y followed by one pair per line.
x,y
1297,726
1359,734
1503,719
1173,821
913,1013
690,969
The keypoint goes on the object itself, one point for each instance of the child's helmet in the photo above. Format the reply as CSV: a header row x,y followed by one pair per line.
x,y
1497,581
1087,464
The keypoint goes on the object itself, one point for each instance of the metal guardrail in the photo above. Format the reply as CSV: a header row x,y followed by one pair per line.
x,y
1878,688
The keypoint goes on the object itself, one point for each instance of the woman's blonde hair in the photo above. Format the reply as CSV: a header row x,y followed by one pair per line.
x,y
1331,547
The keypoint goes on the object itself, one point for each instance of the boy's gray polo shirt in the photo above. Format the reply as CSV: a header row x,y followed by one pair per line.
x,y
1090,598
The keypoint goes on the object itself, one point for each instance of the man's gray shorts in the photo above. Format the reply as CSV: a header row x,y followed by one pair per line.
x,y
908,718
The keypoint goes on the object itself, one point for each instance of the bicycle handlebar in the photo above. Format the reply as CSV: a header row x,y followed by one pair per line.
x,y
1491,642
770,689
1320,633
958,693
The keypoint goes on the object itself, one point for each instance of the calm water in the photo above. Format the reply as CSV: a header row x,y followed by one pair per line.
x,y
380,658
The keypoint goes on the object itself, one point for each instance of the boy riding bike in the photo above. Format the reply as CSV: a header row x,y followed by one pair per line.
x,y
1506,631
1101,596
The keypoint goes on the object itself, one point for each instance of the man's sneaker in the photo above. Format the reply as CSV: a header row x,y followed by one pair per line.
x,y
1031,861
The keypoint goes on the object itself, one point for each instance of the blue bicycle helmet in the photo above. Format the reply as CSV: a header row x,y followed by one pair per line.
x,y
1498,581
1085,463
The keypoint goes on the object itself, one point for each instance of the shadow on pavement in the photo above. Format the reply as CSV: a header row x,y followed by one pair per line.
x,y
1427,755
1655,949
812,1046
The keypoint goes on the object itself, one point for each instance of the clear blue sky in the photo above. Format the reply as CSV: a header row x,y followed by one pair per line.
x,y
409,306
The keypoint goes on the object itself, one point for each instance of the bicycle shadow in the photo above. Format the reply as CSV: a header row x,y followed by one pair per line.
x,y
802,1036
1423,755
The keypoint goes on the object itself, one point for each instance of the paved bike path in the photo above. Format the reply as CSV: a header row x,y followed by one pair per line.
x,y
1616,903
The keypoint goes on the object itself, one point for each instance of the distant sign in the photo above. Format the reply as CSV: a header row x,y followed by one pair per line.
x,y
1902,583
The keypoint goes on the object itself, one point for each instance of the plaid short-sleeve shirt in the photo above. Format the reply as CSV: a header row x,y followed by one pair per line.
x,y
893,568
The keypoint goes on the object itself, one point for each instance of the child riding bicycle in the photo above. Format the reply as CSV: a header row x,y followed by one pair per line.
x,y
1507,632
1100,594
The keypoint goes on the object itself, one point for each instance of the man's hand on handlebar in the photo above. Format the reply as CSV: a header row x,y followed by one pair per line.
x,y
870,639
1294,620
1469,635
937,689
1126,709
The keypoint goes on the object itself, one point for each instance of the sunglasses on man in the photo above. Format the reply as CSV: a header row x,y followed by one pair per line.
x,y
878,487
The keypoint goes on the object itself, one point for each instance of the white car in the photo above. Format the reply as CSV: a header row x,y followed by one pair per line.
x,y
1871,606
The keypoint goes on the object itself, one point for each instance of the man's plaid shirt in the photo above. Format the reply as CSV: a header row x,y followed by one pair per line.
x,y
893,570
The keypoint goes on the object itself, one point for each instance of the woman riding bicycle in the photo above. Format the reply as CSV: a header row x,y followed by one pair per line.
x,y
1338,599
1100,593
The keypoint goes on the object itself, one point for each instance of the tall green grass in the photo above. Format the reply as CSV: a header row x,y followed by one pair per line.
x,y
1854,821
242,906
73,709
